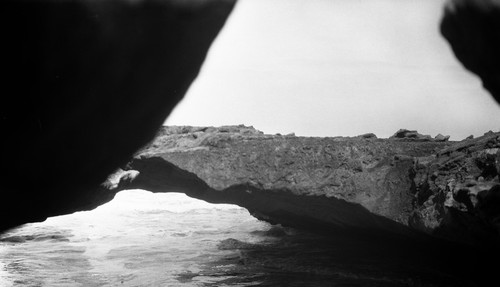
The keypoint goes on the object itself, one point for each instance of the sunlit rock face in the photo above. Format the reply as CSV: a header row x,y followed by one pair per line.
x,y
86,84
359,185
472,29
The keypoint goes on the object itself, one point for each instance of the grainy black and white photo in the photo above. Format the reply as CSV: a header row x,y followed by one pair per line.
x,y
207,143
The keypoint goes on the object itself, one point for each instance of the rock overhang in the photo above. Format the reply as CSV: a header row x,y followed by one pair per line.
x,y
470,197
352,185
89,83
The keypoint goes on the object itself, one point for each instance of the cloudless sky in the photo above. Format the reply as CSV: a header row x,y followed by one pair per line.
x,y
337,68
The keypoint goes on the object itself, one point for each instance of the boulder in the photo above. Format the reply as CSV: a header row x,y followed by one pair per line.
x,y
404,134
441,138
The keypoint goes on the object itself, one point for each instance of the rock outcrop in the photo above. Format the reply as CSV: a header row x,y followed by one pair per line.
x,y
86,84
357,185
457,190
404,134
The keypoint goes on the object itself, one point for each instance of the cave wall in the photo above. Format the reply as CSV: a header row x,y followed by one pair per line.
x,y
86,84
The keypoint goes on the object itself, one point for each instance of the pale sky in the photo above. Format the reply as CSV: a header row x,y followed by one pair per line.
x,y
337,68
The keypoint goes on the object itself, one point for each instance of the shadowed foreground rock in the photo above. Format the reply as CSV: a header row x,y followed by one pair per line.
x,y
354,185
85,84
472,28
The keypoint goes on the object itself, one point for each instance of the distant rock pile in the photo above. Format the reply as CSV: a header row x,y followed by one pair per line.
x,y
404,134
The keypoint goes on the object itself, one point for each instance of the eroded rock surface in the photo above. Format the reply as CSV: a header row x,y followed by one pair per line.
x,y
359,184
458,190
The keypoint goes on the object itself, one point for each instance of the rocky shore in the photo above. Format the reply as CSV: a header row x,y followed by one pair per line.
x,y
407,185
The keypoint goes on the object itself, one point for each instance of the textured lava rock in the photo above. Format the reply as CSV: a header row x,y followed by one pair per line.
x,y
86,84
89,82
457,190
332,184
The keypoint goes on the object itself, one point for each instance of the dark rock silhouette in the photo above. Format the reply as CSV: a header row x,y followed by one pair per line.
x,y
86,84
472,29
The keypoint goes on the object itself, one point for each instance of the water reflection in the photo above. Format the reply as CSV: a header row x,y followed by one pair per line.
x,y
141,239
291,258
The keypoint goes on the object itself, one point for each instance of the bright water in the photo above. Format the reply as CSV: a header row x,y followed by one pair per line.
x,y
145,239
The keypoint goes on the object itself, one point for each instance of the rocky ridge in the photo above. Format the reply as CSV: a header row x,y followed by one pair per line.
x,y
402,185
